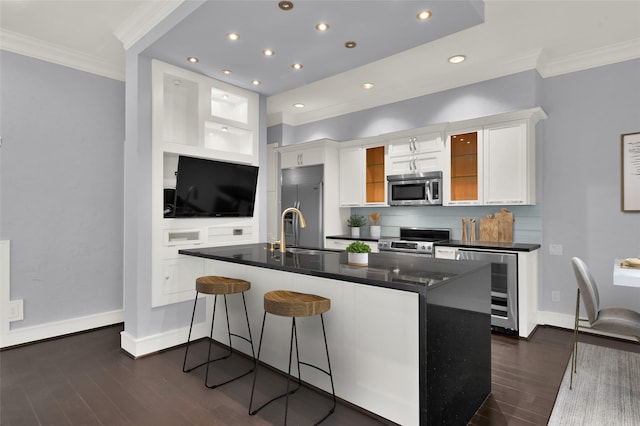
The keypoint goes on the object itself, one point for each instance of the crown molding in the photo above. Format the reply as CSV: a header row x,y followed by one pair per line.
x,y
29,46
143,19
606,55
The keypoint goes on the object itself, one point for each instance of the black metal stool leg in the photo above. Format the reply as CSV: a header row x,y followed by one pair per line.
x,y
193,314
255,375
246,315
229,333
294,337
333,391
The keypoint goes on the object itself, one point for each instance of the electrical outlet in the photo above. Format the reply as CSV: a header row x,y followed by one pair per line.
x,y
555,249
555,296
15,310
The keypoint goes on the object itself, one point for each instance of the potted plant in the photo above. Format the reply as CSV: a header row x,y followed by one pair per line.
x,y
358,253
354,222
374,220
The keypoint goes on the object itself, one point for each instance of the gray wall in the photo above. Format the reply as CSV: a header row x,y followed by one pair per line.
x,y
61,168
588,111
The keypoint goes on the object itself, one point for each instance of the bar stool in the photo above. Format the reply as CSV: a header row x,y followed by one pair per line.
x,y
292,304
218,285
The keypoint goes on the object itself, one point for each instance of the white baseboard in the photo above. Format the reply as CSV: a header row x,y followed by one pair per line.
x,y
566,321
138,347
60,328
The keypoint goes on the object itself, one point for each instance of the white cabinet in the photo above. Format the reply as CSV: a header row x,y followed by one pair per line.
x,y
492,163
413,154
363,175
351,176
509,171
339,244
298,157
196,116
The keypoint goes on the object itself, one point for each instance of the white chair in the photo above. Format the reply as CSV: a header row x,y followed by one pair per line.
x,y
610,319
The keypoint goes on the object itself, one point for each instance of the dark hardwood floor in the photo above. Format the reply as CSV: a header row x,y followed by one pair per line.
x,y
85,379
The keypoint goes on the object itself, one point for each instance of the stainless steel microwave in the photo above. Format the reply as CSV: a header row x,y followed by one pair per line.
x,y
416,189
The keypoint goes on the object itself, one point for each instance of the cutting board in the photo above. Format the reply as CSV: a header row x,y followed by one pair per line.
x,y
497,227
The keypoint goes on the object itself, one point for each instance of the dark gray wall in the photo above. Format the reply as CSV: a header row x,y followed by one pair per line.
x,y
61,187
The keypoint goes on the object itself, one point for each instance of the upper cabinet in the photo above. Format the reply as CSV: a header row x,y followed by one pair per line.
x,y
296,156
363,175
492,163
416,153
198,116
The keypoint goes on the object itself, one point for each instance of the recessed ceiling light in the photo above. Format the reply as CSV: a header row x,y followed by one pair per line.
x,y
322,26
269,52
226,72
296,66
424,15
350,44
456,59
233,36
177,82
285,5
224,128
192,59
225,96
367,86
255,82
298,105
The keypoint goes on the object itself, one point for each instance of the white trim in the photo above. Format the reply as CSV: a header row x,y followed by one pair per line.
x,y
157,342
607,55
143,19
566,321
54,53
60,328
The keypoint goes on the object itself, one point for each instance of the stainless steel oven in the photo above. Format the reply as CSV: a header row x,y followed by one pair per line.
x,y
414,240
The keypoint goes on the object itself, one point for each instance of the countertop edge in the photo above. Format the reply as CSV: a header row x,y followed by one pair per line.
x,y
490,245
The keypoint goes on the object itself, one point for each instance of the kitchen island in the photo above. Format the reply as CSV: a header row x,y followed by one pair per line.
x,y
409,336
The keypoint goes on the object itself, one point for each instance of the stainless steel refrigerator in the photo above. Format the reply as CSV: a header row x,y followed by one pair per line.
x,y
302,188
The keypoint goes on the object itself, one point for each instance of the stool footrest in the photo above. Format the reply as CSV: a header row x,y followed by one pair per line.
x,y
291,392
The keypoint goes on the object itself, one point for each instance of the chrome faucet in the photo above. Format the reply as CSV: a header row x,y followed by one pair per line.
x,y
303,224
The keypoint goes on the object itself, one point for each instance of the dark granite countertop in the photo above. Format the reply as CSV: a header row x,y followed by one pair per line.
x,y
364,236
524,247
406,272
490,245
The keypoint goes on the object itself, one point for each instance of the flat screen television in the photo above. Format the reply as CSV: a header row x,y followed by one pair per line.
x,y
210,188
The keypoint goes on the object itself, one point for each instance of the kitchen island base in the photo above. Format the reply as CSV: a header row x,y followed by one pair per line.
x,y
414,352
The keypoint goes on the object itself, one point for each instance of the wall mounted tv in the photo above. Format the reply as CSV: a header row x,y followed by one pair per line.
x,y
209,188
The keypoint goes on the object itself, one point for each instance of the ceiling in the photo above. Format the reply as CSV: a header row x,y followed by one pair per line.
x,y
401,56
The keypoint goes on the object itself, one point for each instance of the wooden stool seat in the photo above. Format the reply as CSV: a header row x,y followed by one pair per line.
x,y
215,284
292,304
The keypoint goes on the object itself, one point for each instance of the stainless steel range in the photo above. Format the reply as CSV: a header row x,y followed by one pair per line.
x,y
415,240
